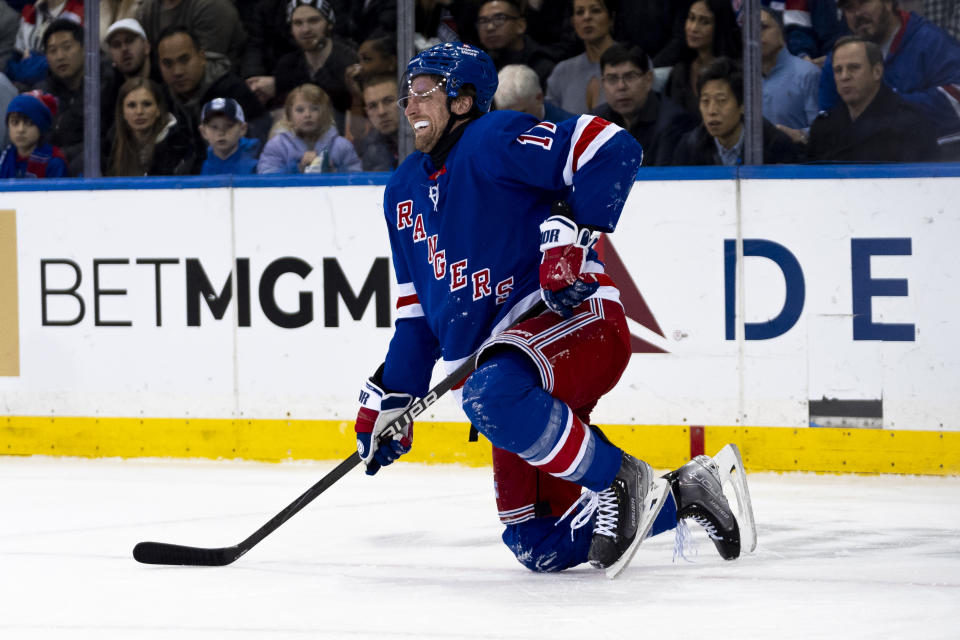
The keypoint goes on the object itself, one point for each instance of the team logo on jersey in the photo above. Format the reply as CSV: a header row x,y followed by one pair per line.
x,y
435,195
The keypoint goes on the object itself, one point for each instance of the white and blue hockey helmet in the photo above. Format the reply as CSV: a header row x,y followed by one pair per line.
x,y
459,64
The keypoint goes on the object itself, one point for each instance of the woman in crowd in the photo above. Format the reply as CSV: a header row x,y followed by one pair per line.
x,y
147,138
308,141
574,84
711,31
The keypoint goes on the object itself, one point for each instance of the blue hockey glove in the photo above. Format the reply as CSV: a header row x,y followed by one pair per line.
x,y
378,448
563,285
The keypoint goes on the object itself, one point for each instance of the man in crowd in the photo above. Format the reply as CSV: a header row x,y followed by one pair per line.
x,y
871,123
719,139
129,52
520,90
63,46
920,62
378,149
654,120
502,31
193,82
215,25
322,57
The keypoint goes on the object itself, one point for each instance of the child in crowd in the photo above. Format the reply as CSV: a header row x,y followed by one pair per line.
x,y
311,144
29,116
222,125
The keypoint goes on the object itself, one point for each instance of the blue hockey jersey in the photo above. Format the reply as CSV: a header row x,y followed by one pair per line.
x,y
465,237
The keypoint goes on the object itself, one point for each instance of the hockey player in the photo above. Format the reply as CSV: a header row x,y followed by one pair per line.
x,y
494,213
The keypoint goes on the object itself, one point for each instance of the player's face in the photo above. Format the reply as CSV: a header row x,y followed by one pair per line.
x,y
380,102
856,80
23,133
128,52
626,87
698,28
181,64
309,28
591,20
140,110
719,108
64,55
427,111
500,25
869,19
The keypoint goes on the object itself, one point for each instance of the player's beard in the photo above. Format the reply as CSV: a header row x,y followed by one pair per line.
x,y
426,139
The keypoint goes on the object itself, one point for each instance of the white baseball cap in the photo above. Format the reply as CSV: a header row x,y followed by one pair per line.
x,y
127,24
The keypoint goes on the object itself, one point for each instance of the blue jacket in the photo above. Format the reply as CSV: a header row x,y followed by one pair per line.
x,y
241,162
810,27
46,161
923,66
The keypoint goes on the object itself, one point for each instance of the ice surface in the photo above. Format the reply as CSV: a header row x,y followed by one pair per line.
x,y
415,553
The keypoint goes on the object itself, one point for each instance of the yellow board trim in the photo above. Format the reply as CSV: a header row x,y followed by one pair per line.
x,y
664,446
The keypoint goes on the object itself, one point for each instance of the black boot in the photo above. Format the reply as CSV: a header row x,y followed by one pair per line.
x,y
620,512
697,490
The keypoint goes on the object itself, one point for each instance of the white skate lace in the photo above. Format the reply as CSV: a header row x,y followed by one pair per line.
x,y
604,503
684,545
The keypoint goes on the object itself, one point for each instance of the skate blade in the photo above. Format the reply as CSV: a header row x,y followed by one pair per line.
x,y
652,503
733,476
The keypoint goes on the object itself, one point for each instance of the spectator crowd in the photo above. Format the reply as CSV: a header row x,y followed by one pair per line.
x,y
311,86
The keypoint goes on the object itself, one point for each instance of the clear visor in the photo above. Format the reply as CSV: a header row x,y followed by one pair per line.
x,y
419,88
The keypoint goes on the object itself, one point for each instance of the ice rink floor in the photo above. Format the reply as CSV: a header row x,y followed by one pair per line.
x,y
415,553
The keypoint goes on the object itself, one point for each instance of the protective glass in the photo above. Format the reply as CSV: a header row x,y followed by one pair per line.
x,y
424,90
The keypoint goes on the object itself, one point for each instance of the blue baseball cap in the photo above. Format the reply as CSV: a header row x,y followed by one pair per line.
x,y
222,107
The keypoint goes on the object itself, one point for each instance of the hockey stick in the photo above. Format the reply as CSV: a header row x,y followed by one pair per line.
x,y
164,553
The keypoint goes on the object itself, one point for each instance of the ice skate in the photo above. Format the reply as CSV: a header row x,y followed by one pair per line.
x,y
699,495
625,513
698,490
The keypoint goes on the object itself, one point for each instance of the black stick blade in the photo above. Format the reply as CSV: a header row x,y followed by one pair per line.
x,y
163,553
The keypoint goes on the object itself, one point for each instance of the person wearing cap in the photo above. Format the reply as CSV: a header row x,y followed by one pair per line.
x,y
113,11
28,118
222,126
129,51
322,57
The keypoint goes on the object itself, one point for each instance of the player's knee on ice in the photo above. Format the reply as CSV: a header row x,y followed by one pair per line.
x,y
544,547
504,401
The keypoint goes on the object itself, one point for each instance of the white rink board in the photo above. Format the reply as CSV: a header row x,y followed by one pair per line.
x,y
671,239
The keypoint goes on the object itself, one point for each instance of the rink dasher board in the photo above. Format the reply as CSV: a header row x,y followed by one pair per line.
x,y
761,298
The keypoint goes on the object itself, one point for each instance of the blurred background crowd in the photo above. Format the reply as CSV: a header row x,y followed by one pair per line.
x,y
307,86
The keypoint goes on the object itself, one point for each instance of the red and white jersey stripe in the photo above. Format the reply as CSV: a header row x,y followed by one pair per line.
x,y
408,304
590,134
